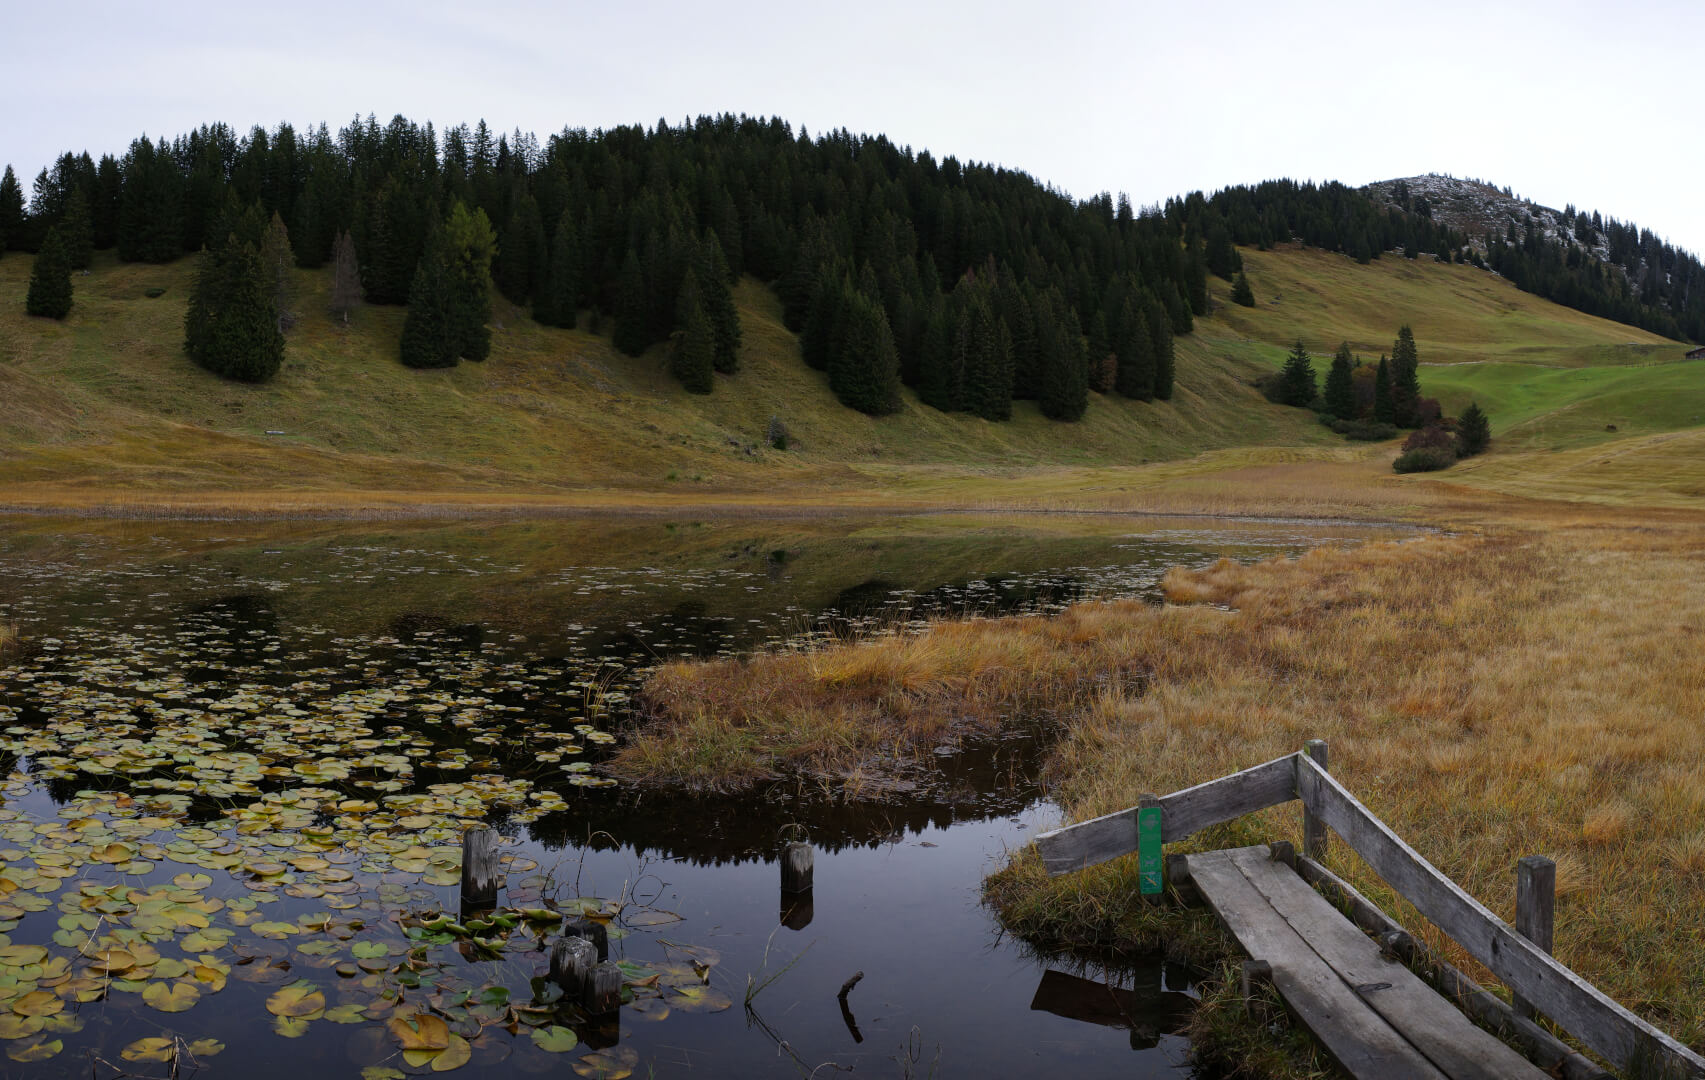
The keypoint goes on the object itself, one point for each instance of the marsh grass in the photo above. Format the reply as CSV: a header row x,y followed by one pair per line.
x,y
1525,690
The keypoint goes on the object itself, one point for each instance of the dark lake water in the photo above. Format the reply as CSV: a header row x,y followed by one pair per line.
x,y
239,758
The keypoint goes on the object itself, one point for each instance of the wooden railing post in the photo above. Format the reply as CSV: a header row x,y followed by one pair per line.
x,y
1536,905
1314,829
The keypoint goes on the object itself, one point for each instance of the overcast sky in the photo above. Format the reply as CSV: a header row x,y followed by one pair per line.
x,y
1596,104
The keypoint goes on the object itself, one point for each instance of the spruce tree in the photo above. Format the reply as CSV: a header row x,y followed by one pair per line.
x,y
1341,384
50,279
692,359
1296,381
557,303
632,310
1165,358
346,277
1405,379
276,258
77,231
1473,431
718,300
469,244
1135,349
429,339
865,371
231,325
1065,363
1241,293
1384,408
11,211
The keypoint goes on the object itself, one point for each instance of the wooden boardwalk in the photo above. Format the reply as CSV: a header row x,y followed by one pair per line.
x,y
1367,1007
1375,1016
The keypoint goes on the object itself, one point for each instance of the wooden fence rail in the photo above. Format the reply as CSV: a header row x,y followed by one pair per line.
x,y
1533,976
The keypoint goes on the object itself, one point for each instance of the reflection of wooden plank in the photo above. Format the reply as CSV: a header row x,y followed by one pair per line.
x,y
1581,1008
1426,1021
1183,812
1093,1002
1358,1037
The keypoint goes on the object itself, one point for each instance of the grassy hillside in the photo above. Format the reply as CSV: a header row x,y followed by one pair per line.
x,y
106,408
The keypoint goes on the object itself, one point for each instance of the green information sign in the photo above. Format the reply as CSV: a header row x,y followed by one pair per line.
x,y
1150,865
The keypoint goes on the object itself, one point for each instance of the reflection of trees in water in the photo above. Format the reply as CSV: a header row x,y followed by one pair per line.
x,y
986,778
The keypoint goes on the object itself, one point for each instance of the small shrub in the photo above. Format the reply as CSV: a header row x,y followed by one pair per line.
x,y
1425,459
1431,437
1360,430
155,292
776,434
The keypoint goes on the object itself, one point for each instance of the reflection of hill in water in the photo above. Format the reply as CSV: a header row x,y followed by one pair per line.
x,y
985,779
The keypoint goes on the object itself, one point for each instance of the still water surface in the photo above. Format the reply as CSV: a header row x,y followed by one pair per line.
x,y
240,756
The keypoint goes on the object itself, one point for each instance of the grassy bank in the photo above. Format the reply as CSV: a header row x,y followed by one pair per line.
x,y
105,415
1531,688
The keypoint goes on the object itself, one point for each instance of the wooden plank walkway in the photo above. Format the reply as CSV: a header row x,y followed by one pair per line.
x,y
1374,1015
1265,909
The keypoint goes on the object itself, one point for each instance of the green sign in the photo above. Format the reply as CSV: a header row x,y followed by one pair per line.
x,y
1150,866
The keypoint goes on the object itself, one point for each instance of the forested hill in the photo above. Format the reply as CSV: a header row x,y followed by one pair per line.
x,y
1587,261
973,284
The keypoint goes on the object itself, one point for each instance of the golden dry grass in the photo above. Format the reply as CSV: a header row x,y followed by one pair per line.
x,y
1531,689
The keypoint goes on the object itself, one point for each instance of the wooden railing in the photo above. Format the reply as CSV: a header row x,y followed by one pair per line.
x,y
1535,978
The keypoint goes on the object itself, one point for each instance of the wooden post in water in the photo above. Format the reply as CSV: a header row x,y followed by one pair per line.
x,y
572,962
479,869
796,859
797,905
1314,829
603,989
591,931
1536,905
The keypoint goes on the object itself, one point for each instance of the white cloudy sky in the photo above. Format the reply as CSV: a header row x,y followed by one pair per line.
x,y
1595,103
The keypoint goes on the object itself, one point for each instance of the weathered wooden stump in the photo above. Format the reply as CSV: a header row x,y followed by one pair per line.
x,y
603,991
796,860
573,960
480,877
594,932
797,905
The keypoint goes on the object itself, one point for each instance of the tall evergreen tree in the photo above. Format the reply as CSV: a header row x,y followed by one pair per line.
x,y
11,212
1165,356
1341,384
692,358
150,222
1241,293
632,308
1296,381
429,336
1405,379
1135,348
50,280
276,257
1473,431
864,373
469,245
718,300
1384,407
1064,362
557,303
77,230
231,326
